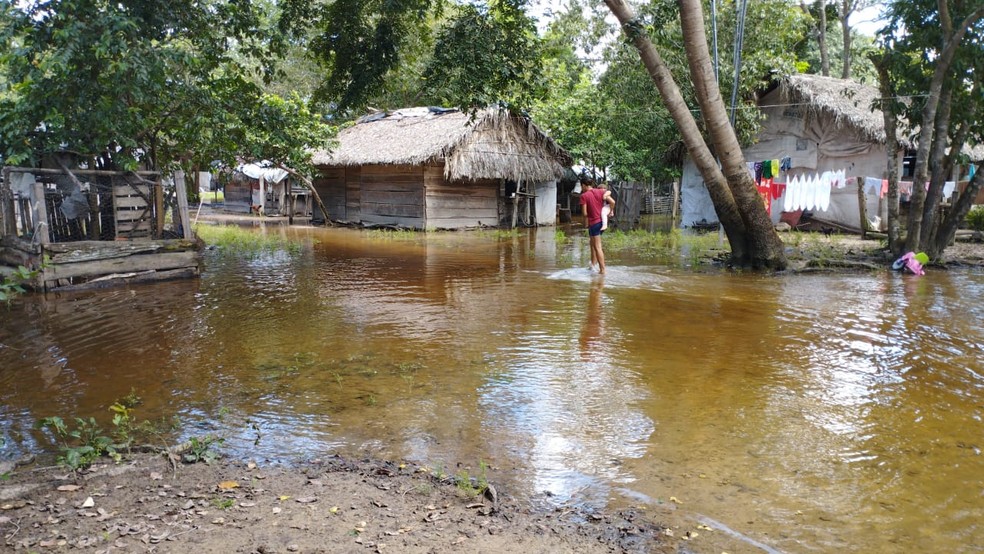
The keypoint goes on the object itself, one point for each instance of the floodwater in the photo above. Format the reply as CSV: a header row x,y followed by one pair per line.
x,y
805,413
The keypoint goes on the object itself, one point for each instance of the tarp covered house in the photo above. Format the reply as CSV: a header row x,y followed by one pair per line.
x,y
821,124
437,168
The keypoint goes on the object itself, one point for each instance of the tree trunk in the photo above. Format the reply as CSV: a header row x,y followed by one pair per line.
x,y
724,202
846,9
934,195
891,146
948,228
928,122
765,248
822,40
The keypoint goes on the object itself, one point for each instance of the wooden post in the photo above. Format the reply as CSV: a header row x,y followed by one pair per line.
x,y
290,201
182,195
259,210
676,201
862,208
8,220
158,209
94,222
39,214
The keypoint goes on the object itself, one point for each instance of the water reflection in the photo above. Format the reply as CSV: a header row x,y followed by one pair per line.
x,y
811,413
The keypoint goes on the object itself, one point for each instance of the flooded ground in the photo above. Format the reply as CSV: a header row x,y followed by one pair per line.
x,y
807,413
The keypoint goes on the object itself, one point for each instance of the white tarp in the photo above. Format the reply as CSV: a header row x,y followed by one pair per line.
x,y
269,174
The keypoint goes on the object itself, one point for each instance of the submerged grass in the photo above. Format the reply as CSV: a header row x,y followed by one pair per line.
x,y
674,245
246,242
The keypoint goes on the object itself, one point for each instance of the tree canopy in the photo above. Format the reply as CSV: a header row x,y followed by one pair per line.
x,y
122,84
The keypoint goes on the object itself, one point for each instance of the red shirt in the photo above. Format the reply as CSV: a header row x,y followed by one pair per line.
x,y
593,200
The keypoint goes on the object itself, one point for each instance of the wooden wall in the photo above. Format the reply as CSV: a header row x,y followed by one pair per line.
x,y
392,195
330,184
408,196
456,205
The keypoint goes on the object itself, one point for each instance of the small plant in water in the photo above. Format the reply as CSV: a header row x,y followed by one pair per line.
x,y
201,449
473,486
12,285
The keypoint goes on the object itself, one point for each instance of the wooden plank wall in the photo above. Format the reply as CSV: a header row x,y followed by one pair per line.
x,y
392,195
456,205
353,193
330,184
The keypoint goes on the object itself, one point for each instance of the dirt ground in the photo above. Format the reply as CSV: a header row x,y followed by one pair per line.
x,y
146,504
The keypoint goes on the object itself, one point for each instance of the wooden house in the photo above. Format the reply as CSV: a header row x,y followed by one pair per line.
x,y
88,228
435,168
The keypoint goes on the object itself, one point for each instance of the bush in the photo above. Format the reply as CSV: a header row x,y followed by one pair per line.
x,y
975,218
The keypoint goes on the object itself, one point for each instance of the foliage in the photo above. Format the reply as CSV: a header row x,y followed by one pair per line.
x,y
614,119
12,285
473,486
81,444
975,218
202,450
486,56
123,85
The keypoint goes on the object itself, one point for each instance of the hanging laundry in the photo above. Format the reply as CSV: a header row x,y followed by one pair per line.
x,y
884,188
786,164
751,168
872,185
971,171
787,199
775,168
767,169
765,191
905,188
778,189
948,188
811,192
823,199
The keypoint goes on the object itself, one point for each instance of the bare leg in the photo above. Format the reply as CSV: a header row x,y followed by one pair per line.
x,y
597,253
604,217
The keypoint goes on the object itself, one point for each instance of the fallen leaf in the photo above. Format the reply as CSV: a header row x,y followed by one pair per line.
x,y
333,509
675,500
156,475
276,510
69,488
218,521
226,485
89,503
284,497
251,465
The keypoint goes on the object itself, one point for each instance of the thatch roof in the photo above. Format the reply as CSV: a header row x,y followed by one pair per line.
x,y
492,144
848,102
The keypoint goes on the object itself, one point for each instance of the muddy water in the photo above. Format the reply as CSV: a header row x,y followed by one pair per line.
x,y
806,413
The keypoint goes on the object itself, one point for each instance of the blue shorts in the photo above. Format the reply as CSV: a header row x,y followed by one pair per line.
x,y
595,230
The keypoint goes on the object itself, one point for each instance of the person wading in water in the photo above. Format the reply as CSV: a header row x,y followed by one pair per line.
x,y
592,200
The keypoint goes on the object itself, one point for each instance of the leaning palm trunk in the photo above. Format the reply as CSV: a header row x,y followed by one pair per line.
x,y
724,202
765,248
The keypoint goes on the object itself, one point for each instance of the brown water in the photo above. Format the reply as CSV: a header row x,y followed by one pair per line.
x,y
809,413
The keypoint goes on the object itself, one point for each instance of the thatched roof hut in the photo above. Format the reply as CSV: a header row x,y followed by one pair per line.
x,y
441,168
490,144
